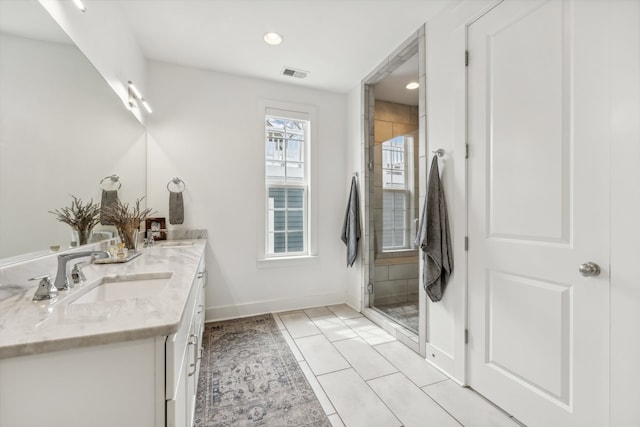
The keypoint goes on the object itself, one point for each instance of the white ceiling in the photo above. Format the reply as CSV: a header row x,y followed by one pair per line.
x,y
338,41
392,88
29,19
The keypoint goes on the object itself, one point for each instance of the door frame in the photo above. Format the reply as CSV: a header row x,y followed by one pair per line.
x,y
415,44
467,205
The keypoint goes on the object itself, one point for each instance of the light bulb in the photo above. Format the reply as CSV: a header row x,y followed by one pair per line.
x,y
273,38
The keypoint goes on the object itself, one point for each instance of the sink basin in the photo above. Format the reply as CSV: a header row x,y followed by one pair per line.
x,y
175,244
113,288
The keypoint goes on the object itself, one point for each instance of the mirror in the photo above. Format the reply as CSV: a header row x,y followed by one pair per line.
x,y
62,130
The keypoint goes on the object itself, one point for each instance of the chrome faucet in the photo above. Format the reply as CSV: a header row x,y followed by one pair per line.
x,y
150,241
62,278
45,290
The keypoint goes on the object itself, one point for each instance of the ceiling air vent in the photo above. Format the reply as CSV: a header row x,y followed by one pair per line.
x,y
292,72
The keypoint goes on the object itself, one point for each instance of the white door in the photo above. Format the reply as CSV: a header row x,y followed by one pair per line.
x,y
538,209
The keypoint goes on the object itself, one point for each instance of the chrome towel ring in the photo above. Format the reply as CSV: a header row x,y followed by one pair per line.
x,y
178,183
113,179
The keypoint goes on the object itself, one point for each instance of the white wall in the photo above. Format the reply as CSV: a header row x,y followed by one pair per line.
x,y
625,210
103,34
446,43
354,163
207,130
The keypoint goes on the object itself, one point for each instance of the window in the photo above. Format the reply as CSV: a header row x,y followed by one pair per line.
x,y
397,184
287,183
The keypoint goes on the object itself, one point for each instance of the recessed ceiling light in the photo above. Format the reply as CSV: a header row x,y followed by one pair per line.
x,y
79,5
412,85
273,38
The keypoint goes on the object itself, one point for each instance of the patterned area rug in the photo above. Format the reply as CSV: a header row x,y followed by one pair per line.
x,y
249,377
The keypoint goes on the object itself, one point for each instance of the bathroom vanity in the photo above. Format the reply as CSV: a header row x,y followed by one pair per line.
x,y
121,349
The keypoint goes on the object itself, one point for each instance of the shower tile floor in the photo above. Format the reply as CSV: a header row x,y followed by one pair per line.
x,y
405,313
364,377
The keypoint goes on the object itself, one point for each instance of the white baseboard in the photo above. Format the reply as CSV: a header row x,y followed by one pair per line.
x,y
271,306
440,360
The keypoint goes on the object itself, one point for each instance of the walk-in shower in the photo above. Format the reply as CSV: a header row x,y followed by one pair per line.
x,y
394,125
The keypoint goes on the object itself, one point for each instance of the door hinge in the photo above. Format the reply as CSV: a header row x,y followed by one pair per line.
x,y
370,288
466,243
466,151
466,58
466,336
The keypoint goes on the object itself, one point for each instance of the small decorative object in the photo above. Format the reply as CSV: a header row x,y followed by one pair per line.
x,y
127,220
122,251
82,218
156,227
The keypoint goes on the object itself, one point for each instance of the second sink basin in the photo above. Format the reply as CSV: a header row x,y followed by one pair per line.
x,y
113,288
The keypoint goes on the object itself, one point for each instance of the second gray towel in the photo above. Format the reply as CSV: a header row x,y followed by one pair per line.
x,y
176,207
109,197
434,239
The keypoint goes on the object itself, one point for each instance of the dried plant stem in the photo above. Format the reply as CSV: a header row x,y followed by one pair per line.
x,y
79,216
126,219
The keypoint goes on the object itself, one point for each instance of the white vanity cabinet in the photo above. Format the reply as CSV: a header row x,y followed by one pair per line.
x,y
149,382
184,352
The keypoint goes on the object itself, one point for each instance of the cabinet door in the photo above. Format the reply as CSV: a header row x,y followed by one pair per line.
x,y
177,408
181,410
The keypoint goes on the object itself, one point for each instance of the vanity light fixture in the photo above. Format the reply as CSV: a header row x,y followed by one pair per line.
x,y
134,90
136,97
412,85
146,106
79,5
273,39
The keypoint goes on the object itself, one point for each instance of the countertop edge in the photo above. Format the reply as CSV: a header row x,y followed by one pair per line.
x,y
71,343
168,328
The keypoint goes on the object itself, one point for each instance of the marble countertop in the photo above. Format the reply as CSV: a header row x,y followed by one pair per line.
x,y
31,327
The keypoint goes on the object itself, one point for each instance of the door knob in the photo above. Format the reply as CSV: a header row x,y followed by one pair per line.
x,y
589,269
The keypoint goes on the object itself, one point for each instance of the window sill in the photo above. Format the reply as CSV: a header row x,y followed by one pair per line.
x,y
289,261
397,253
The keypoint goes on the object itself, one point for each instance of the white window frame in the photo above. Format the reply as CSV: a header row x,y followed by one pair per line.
x,y
405,229
406,190
296,112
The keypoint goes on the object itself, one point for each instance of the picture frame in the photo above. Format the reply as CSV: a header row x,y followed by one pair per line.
x,y
157,226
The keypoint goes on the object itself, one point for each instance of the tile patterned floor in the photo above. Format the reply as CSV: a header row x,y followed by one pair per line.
x,y
364,377
405,313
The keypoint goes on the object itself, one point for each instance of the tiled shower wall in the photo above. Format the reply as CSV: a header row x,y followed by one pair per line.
x,y
396,282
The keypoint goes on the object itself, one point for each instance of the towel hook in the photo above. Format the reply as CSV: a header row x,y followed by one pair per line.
x,y
114,179
177,181
439,152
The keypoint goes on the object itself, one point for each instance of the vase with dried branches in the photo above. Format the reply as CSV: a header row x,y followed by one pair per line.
x,y
127,220
79,216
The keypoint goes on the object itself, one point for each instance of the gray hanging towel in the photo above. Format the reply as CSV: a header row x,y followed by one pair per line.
x,y
351,228
176,207
109,197
433,238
